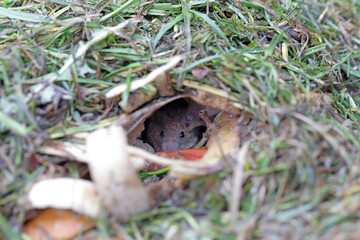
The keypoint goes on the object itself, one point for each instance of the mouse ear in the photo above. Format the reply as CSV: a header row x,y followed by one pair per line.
x,y
191,118
190,125
157,116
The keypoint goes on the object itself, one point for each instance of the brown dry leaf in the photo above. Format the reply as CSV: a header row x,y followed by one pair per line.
x,y
224,140
199,73
57,224
138,98
224,136
318,98
130,121
210,96
202,94
134,138
163,84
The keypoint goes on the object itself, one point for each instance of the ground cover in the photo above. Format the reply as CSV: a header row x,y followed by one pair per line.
x,y
292,66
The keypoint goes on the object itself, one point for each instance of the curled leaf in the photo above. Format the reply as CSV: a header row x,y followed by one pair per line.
x,y
66,193
114,174
224,140
57,224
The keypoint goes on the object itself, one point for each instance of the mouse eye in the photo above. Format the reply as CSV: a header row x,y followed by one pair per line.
x,y
182,134
162,134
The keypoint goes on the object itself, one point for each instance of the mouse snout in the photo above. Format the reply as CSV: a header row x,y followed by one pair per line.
x,y
170,146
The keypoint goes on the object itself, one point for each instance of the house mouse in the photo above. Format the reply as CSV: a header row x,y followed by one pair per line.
x,y
170,129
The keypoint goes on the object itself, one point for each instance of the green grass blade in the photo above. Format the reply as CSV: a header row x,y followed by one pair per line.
x,y
203,60
212,25
16,15
274,41
119,10
13,125
165,28
6,229
314,49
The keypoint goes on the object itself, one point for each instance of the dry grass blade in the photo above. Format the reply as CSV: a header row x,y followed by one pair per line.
x,y
289,69
142,82
238,180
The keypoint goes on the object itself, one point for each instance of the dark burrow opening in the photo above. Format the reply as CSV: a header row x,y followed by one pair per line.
x,y
175,126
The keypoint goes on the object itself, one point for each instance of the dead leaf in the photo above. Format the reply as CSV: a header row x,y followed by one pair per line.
x,y
134,138
130,121
224,140
199,73
163,84
114,175
57,224
138,98
224,136
187,154
210,96
65,193
67,150
136,84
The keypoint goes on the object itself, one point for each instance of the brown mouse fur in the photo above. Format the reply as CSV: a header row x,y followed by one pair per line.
x,y
169,128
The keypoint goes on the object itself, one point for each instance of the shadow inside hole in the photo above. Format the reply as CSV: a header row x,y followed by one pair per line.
x,y
175,126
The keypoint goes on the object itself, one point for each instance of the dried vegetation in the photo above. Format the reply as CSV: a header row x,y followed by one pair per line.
x,y
292,67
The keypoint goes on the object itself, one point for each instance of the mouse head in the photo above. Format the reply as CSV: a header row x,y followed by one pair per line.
x,y
177,137
169,133
172,128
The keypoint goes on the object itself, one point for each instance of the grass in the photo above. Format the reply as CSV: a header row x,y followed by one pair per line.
x,y
292,65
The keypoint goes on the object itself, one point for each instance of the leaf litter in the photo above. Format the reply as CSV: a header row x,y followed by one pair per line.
x,y
289,70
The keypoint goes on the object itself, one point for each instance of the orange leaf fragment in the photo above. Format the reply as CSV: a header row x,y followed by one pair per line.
x,y
187,154
57,224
